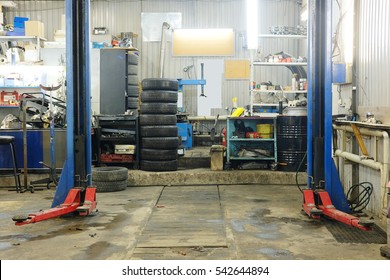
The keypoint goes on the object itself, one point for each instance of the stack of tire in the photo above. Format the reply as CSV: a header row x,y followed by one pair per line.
x,y
109,178
158,131
133,90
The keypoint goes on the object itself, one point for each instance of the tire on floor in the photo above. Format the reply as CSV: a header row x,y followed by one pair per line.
x,y
109,173
159,131
161,143
158,155
113,186
163,165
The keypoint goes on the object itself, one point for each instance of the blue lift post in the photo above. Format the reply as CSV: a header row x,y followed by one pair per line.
x,y
74,193
325,194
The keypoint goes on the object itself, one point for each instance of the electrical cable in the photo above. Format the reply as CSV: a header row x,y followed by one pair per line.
x,y
296,173
359,202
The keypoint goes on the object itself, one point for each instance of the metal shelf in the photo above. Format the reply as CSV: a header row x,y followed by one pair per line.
x,y
262,143
280,90
251,139
251,158
279,63
39,41
282,36
9,87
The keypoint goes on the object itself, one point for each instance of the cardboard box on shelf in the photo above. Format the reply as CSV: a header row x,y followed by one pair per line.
x,y
31,53
34,28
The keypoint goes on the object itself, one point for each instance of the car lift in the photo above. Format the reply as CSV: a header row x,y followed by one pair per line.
x,y
325,195
74,194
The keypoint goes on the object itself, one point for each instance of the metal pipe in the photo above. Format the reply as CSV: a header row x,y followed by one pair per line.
x,y
383,167
207,118
165,25
358,159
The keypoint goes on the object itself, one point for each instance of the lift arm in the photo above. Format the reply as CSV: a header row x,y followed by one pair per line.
x,y
325,193
74,193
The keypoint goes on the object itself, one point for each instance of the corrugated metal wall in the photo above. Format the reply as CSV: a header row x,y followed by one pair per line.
x,y
372,78
373,56
125,16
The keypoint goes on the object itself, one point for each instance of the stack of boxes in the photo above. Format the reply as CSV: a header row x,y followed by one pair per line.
x,y
19,27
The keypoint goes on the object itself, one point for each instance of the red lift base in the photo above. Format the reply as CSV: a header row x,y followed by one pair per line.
x,y
72,203
325,207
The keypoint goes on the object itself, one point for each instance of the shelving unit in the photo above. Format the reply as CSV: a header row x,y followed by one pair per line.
x,y
34,39
261,108
116,130
237,141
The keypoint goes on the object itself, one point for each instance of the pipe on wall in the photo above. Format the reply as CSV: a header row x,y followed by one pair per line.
x,y
383,166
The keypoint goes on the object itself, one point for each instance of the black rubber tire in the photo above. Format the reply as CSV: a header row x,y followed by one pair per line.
x,y
132,59
159,96
132,80
159,108
157,119
166,165
132,91
132,103
155,154
132,69
160,84
161,143
109,186
109,173
159,131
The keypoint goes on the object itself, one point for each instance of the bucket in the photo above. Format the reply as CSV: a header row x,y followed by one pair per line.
x,y
265,130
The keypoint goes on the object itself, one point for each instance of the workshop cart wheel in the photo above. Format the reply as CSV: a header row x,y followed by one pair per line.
x,y
159,131
158,155
162,96
112,186
159,108
109,173
160,84
166,165
157,119
162,143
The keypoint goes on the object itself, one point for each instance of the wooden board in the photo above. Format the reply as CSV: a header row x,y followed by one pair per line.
x,y
237,69
185,217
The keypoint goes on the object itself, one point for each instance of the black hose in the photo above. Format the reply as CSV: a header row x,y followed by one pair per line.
x,y
296,173
359,202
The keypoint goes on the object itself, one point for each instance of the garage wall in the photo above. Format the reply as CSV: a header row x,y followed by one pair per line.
x,y
125,16
372,74
373,56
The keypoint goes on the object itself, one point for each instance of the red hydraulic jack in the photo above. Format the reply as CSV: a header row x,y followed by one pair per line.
x,y
325,207
74,203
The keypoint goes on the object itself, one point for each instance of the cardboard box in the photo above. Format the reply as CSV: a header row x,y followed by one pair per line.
x,y
125,149
34,28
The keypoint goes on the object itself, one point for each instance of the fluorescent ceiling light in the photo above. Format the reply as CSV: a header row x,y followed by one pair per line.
x,y
251,24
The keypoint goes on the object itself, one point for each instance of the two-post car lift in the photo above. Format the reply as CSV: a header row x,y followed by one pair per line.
x,y
74,193
325,194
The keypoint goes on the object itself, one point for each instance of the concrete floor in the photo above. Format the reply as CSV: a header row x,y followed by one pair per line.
x,y
238,222
191,214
